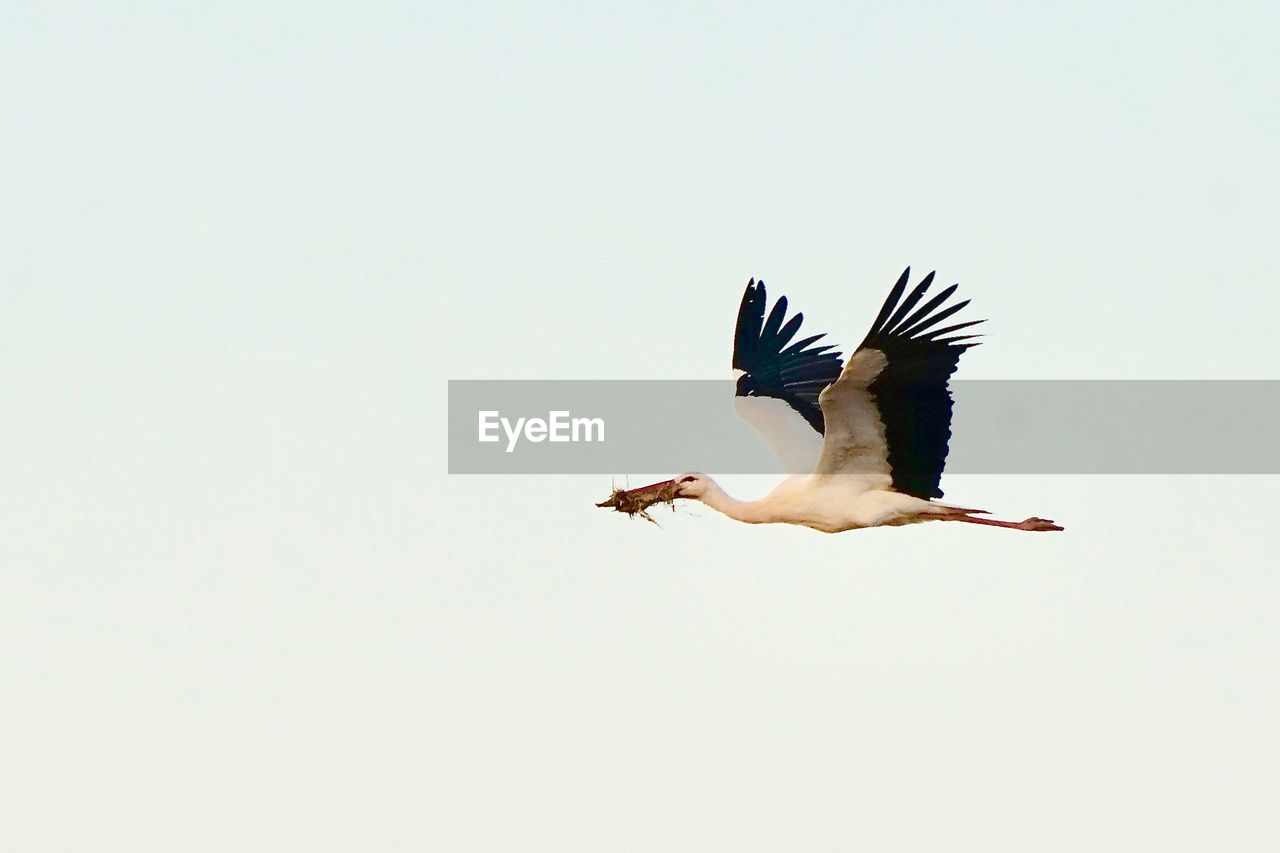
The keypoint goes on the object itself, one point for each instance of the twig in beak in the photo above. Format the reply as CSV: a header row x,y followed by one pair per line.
x,y
635,501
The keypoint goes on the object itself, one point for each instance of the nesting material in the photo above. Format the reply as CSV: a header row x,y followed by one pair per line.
x,y
635,501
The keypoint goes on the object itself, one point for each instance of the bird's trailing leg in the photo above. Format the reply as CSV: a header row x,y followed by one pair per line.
x,y
1032,524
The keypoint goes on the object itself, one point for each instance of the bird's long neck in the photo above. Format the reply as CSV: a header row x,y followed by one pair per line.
x,y
752,512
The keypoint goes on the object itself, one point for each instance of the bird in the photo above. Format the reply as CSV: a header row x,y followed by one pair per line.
x,y
864,440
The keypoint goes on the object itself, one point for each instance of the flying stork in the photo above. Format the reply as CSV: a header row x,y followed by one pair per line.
x,y
873,431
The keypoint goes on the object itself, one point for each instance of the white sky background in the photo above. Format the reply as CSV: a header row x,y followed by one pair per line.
x,y
245,608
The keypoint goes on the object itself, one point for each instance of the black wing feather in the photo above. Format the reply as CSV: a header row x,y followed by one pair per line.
x,y
911,391
909,302
795,374
750,320
801,344
894,296
913,324
948,329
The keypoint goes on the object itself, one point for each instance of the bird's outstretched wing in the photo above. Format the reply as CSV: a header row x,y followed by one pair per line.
x,y
888,416
780,381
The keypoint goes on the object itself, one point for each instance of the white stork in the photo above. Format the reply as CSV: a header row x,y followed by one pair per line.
x,y
873,431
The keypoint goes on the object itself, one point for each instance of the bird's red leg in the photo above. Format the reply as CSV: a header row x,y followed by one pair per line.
x,y
1034,524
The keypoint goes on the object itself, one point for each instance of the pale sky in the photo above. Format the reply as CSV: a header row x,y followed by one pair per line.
x,y
245,607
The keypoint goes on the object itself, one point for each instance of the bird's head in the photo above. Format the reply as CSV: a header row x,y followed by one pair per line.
x,y
692,485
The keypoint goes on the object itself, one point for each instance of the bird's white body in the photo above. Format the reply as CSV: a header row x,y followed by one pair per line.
x,y
830,503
